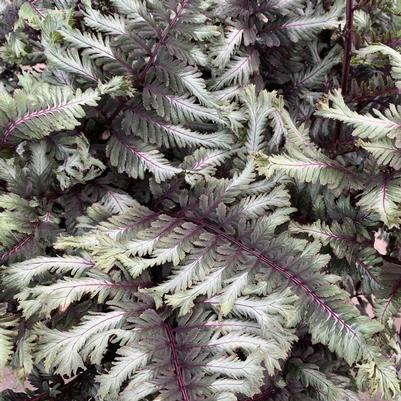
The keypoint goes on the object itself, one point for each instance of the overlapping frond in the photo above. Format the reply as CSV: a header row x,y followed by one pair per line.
x,y
258,108
238,71
313,77
374,126
385,381
342,238
310,166
385,152
70,61
65,351
226,46
179,109
214,266
314,379
181,78
21,274
389,304
303,27
187,346
109,24
155,130
382,196
394,55
97,47
134,157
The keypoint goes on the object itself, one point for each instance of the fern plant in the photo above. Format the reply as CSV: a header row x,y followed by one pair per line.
x,y
189,201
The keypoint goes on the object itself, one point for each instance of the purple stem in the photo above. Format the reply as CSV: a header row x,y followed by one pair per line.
x,y
153,55
174,355
347,58
347,47
163,38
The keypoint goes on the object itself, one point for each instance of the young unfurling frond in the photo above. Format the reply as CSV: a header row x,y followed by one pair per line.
x,y
394,55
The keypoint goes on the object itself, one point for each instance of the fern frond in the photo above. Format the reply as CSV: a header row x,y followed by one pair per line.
x,y
296,136
327,298
204,162
394,55
374,126
56,108
389,304
178,109
385,152
109,24
312,166
99,48
303,27
257,205
134,10
126,224
284,7
65,292
63,350
384,377
79,166
141,360
209,286
224,49
313,77
70,61
313,378
382,196
152,129
201,234
342,238
258,108
186,52
21,274
135,157
238,71
369,266
181,78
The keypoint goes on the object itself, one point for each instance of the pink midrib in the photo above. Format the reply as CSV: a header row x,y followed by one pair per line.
x,y
171,25
141,155
175,99
329,235
290,276
160,124
237,68
35,114
16,247
320,165
394,291
203,162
